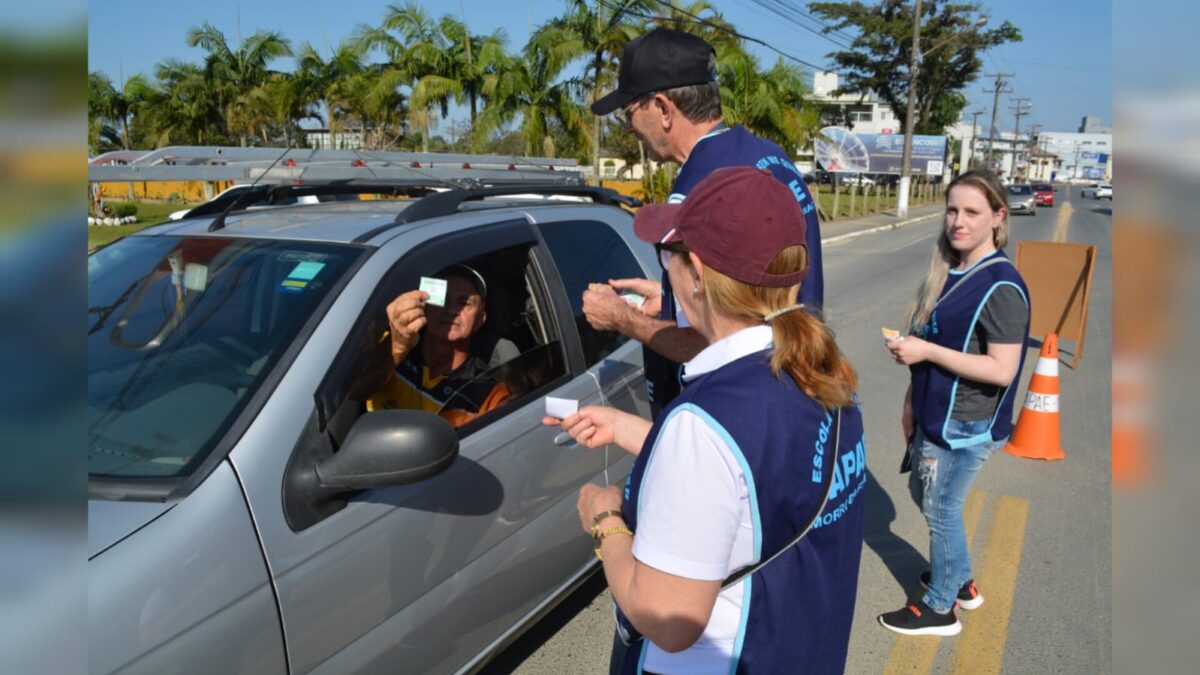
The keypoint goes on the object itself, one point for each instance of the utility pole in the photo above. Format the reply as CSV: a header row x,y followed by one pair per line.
x,y
1032,145
906,157
974,132
999,89
1018,112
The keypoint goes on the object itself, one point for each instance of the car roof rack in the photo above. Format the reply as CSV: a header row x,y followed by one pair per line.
x,y
447,203
299,166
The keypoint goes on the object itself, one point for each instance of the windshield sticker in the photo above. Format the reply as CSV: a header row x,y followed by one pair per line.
x,y
306,270
293,285
302,256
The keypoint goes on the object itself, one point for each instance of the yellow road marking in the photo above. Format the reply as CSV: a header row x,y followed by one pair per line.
x,y
980,647
1063,223
913,653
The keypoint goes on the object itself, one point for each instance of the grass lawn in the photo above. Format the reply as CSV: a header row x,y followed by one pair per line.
x,y
877,201
149,213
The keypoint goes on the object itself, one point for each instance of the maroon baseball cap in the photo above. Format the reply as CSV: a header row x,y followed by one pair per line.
x,y
737,220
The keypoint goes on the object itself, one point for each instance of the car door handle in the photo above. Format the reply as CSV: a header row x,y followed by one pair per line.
x,y
564,439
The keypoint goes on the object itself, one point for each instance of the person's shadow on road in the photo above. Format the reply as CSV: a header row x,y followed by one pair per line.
x,y
902,559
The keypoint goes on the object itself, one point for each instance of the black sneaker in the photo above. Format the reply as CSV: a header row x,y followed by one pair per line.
x,y
919,619
968,596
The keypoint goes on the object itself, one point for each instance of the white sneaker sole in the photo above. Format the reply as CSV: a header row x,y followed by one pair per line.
x,y
939,631
973,603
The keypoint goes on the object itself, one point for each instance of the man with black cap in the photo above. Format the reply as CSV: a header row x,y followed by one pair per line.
x,y
443,375
667,95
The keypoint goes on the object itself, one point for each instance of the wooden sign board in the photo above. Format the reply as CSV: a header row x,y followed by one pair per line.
x,y
1059,277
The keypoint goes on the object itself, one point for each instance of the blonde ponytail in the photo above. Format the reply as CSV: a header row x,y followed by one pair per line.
x,y
804,347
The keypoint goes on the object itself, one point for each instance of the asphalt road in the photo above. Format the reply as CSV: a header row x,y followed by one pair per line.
x,y
1040,531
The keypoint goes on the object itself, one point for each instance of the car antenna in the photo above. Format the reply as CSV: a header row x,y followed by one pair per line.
x,y
218,223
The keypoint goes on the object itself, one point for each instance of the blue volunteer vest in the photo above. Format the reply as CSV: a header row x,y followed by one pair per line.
x,y
735,146
796,610
950,325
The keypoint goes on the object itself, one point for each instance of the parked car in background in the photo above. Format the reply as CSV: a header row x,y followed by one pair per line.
x,y
1043,194
1098,191
247,513
1021,199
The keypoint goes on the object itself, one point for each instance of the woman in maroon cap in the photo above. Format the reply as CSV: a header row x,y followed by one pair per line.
x,y
735,543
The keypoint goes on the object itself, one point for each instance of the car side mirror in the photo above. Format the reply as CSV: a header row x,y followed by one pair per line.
x,y
390,447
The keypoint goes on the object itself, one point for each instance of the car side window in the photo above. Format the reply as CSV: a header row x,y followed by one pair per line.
x,y
586,252
493,320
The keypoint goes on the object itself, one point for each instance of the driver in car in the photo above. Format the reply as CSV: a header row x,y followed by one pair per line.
x,y
435,369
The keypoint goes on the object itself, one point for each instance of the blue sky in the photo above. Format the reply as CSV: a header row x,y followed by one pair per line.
x,y
1064,65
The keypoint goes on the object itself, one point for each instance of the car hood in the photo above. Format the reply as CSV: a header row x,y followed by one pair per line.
x,y
112,521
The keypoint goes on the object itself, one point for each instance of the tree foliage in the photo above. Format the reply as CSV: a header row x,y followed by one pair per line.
x,y
880,57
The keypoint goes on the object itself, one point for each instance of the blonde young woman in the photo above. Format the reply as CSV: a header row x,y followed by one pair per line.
x,y
765,439
967,333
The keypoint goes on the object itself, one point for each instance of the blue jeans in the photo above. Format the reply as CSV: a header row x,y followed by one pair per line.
x,y
940,481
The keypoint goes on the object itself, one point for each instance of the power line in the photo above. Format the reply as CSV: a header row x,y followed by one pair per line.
x,y
715,26
797,18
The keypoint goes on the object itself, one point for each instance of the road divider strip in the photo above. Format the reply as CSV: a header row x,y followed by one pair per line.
x,y
916,654
1062,225
980,647
881,228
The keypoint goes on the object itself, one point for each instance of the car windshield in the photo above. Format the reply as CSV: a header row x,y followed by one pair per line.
x,y
1019,190
1042,187
182,331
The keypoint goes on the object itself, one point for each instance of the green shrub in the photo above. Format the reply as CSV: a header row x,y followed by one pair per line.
x,y
125,209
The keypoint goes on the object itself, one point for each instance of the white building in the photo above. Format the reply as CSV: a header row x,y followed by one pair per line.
x,y
321,139
1084,155
863,114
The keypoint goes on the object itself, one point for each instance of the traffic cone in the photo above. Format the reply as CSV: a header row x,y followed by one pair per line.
x,y
1036,435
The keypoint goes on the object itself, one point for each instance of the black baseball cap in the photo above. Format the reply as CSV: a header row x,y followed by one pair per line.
x,y
661,59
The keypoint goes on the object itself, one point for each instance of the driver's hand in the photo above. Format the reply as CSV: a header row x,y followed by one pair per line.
x,y
406,318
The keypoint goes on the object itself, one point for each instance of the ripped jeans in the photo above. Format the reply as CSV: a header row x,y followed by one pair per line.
x,y
939,483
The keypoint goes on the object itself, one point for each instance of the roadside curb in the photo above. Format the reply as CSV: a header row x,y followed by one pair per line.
x,y
880,228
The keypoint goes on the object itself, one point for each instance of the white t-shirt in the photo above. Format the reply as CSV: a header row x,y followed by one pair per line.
x,y
694,518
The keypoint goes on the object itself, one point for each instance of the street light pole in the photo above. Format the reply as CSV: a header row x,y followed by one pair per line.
x,y
906,157
909,121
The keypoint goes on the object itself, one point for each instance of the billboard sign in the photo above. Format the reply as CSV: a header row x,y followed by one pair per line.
x,y
839,149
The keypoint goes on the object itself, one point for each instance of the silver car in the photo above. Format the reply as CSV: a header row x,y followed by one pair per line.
x,y
1021,199
247,515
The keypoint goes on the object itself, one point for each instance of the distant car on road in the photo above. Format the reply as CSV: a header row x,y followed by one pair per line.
x,y
1043,194
1021,199
1098,191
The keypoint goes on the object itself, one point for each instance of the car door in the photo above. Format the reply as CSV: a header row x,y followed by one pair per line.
x,y
594,246
424,577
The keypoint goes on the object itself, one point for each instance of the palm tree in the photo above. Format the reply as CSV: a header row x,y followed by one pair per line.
x,y
417,55
116,106
234,73
524,87
769,103
601,33
472,57
320,82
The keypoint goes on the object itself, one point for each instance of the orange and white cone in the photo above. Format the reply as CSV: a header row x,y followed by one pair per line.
x,y
1037,432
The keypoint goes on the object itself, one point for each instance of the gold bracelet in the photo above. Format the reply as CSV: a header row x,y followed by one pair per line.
x,y
602,515
599,537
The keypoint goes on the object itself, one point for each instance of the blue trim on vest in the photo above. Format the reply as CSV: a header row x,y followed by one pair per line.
x,y
755,518
986,436
641,666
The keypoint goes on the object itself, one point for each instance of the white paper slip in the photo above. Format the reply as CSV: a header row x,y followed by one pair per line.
x,y
561,408
436,288
634,299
